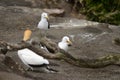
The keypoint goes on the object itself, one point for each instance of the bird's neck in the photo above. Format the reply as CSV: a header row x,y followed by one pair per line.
x,y
64,41
43,19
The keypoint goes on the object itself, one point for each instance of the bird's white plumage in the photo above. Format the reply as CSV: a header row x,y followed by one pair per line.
x,y
64,43
29,57
43,24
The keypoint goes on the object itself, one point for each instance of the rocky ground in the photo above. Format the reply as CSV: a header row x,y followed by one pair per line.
x,y
90,40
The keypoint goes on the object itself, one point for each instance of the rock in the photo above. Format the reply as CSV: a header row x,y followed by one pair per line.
x,y
3,47
116,41
2,57
21,10
55,12
88,42
12,62
38,4
103,26
15,2
3,67
11,76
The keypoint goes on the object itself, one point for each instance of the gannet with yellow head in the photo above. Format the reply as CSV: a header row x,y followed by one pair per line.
x,y
44,24
65,43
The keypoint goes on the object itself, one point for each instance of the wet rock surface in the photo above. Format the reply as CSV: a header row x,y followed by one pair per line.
x,y
90,40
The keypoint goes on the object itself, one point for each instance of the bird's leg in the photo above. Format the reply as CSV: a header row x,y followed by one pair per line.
x,y
50,69
29,69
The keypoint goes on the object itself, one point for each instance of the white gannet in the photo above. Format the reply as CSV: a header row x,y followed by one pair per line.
x,y
65,43
44,24
33,60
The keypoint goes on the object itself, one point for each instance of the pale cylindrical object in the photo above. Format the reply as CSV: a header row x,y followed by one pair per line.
x,y
27,35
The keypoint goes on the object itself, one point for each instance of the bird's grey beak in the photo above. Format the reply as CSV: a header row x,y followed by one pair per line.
x,y
69,43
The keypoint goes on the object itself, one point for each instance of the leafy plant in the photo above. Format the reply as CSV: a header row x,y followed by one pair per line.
x,y
107,11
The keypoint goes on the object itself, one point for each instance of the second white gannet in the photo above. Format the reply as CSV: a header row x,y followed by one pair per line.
x,y
65,43
44,24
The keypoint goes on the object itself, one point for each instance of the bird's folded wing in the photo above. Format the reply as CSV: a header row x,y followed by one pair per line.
x,y
35,60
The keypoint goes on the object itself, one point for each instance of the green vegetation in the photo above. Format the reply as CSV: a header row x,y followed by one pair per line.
x,y
107,11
